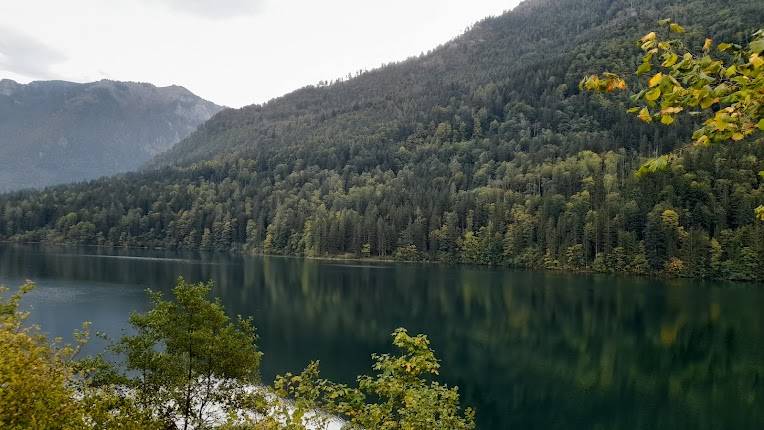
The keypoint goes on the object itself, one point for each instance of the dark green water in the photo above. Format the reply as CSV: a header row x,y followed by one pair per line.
x,y
528,350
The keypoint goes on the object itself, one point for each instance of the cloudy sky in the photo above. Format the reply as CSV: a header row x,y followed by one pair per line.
x,y
233,52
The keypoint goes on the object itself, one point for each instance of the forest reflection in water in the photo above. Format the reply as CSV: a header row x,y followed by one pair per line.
x,y
528,350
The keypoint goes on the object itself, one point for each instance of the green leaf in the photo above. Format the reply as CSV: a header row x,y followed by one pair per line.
x,y
655,165
723,47
667,119
653,94
707,102
761,124
757,46
643,68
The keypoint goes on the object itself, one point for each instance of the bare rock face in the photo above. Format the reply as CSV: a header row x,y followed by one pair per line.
x,y
54,132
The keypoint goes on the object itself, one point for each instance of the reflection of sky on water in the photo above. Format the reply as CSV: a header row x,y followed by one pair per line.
x,y
127,257
360,266
60,307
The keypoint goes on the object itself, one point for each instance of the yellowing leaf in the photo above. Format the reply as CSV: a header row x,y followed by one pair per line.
x,y
756,61
707,45
588,83
644,115
667,119
720,122
648,37
737,136
615,83
730,72
655,80
659,163
671,110
760,213
648,45
671,60
702,140
761,125
676,28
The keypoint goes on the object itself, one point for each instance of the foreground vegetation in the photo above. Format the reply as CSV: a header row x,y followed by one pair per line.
x,y
188,365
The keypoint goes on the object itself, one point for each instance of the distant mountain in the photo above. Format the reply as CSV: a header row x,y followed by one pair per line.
x,y
54,132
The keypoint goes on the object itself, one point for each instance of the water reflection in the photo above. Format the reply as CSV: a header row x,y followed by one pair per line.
x,y
529,350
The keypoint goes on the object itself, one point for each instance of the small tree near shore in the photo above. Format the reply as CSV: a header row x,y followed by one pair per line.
x,y
189,358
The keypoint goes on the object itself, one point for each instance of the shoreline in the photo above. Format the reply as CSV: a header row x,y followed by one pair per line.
x,y
380,260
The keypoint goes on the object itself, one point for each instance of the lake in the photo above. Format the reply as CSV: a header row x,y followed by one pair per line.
x,y
528,350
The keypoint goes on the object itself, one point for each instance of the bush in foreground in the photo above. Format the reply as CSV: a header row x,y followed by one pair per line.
x,y
188,365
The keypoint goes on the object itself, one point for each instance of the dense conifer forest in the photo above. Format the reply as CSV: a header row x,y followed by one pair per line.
x,y
481,151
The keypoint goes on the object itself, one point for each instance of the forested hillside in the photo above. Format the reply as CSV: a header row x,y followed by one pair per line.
x,y
53,132
481,151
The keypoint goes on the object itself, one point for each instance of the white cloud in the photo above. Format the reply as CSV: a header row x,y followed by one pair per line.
x,y
232,52
22,54
213,9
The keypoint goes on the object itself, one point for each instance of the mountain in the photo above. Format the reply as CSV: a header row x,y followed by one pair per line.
x,y
480,151
53,132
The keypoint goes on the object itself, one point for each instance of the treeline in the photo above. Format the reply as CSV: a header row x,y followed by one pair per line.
x,y
451,202
483,151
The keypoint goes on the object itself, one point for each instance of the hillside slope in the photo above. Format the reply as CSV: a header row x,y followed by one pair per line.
x,y
481,151
524,64
53,132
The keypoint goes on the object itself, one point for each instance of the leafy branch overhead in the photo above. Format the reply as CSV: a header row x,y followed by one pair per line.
x,y
724,82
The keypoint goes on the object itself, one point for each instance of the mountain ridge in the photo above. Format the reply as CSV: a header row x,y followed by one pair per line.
x,y
55,132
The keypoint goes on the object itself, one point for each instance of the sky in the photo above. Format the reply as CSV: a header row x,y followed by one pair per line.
x,y
232,52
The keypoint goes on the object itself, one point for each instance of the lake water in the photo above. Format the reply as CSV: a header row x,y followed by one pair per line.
x,y
528,350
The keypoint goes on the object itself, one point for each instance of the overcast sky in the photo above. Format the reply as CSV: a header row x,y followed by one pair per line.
x,y
233,52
